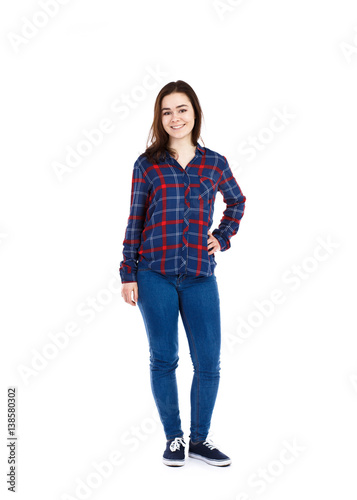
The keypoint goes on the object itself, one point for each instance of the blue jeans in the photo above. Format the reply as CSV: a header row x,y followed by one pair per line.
x,y
160,299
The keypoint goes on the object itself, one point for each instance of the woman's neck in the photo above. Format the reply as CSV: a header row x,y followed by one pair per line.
x,y
183,148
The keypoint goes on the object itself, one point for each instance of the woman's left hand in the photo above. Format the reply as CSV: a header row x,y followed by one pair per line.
x,y
212,244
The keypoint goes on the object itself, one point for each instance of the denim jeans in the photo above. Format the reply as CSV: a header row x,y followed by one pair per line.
x,y
160,299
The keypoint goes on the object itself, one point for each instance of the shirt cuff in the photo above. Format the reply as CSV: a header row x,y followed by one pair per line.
x,y
127,276
225,243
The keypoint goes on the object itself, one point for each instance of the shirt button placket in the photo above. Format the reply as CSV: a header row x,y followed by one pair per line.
x,y
184,252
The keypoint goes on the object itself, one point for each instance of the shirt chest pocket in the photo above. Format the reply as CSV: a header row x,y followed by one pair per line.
x,y
206,188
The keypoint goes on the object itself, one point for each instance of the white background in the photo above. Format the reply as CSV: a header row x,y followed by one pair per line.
x,y
289,376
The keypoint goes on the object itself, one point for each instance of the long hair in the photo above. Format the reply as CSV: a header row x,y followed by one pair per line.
x,y
158,136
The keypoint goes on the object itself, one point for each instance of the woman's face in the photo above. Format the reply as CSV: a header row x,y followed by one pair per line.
x,y
177,114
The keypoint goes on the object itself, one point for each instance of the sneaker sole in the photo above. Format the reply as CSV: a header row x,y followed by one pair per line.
x,y
218,463
173,463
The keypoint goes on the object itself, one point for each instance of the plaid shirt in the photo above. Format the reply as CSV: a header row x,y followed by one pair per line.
x,y
171,211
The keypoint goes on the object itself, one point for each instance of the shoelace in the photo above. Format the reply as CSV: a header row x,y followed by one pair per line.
x,y
176,443
209,445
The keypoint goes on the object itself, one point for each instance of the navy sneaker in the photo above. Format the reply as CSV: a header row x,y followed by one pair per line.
x,y
206,451
174,455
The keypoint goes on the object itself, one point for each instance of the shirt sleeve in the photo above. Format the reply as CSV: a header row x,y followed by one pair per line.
x,y
139,201
232,215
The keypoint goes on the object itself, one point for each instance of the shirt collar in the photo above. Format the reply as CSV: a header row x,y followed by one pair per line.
x,y
199,150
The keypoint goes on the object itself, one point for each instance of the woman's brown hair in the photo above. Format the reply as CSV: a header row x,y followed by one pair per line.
x,y
158,136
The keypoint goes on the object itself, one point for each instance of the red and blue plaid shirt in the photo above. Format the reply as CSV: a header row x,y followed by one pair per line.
x,y
171,211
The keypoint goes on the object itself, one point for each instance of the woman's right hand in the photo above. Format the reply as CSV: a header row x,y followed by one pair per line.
x,y
126,292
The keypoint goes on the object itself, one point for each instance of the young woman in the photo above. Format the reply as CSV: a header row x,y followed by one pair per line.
x,y
168,262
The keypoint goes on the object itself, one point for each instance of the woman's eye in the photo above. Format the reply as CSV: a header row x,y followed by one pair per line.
x,y
181,110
